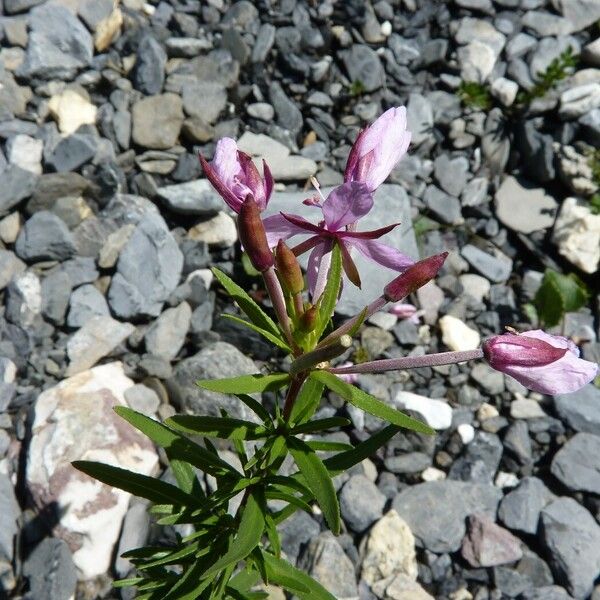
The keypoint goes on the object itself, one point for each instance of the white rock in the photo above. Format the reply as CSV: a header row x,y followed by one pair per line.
x,y
97,338
433,474
466,431
74,420
388,549
71,110
220,231
579,101
505,90
525,408
457,335
437,413
577,234
476,286
477,61
26,152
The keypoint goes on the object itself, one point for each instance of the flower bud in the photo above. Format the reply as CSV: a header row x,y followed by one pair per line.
x,y
415,277
288,269
253,236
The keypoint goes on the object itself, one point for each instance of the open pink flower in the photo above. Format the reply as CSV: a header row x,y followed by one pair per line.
x,y
544,363
235,177
344,206
378,149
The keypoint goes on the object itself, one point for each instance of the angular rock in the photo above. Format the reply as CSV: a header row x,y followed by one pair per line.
x,y
74,420
45,237
59,45
488,545
97,338
435,511
156,121
148,270
166,335
524,208
576,465
571,537
361,503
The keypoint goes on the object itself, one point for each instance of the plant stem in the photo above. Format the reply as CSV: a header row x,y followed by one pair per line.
x,y
292,394
410,362
278,300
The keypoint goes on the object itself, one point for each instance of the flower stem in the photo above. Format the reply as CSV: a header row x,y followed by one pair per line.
x,y
278,300
410,362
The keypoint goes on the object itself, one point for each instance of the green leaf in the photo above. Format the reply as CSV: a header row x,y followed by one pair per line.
x,y
329,298
150,488
278,341
176,445
346,460
557,295
318,480
245,384
320,425
252,310
249,533
282,573
369,403
307,401
220,427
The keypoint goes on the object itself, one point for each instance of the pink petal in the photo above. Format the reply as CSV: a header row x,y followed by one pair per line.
x,y
381,254
346,204
278,228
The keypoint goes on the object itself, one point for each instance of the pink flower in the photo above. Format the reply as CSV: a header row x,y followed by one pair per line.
x,y
378,149
344,206
544,363
235,177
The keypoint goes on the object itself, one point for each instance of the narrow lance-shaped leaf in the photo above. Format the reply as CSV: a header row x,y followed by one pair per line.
x,y
369,403
249,306
318,480
245,384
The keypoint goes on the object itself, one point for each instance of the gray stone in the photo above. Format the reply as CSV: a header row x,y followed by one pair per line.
x,y
44,237
436,510
196,197
10,266
363,65
576,463
488,545
205,100
389,200
56,289
86,302
59,45
326,561
496,268
572,539
419,118
9,515
149,72
520,509
288,114
581,409
361,503
452,173
148,270
216,361
72,152
16,184
50,570
157,121
166,335
96,339
443,206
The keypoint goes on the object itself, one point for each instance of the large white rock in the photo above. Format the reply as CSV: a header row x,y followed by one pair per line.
x,y
74,420
577,234
437,413
457,335
71,109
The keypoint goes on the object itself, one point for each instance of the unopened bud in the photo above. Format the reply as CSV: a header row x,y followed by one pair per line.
x,y
415,277
253,236
288,269
308,319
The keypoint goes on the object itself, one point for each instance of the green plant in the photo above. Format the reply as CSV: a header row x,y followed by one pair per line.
x,y
557,295
474,94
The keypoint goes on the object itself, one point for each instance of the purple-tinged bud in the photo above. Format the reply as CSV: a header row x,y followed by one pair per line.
x,y
415,277
253,236
288,269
